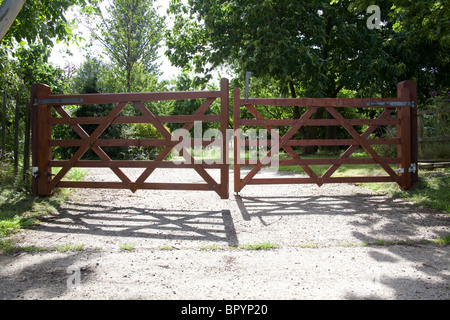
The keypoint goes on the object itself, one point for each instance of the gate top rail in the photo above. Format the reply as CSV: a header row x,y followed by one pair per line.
x,y
97,98
329,102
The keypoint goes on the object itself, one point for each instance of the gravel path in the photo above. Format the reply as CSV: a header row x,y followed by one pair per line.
x,y
183,245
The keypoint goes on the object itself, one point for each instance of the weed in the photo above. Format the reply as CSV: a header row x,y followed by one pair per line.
x,y
70,247
260,246
127,246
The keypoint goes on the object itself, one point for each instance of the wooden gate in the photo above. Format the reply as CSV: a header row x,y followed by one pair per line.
x,y
44,182
400,112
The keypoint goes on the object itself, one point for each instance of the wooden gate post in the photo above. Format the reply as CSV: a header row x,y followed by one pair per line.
x,y
407,133
236,139
224,112
40,135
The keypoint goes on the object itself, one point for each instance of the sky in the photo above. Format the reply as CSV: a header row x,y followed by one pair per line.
x,y
61,58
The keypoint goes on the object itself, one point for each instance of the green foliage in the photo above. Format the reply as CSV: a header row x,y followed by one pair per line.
x,y
131,31
44,20
20,210
317,47
144,131
435,125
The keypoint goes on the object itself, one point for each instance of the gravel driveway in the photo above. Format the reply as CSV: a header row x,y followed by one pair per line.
x,y
182,245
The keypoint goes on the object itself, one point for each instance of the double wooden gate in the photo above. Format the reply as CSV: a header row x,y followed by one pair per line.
x,y
400,112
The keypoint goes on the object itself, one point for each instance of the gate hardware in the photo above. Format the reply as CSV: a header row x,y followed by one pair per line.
x,y
390,104
35,172
412,169
58,101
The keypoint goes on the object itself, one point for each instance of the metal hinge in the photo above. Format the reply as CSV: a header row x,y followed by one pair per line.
x,y
412,168
55,101
390,104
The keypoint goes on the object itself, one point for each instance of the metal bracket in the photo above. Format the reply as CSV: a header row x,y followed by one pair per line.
x,y
413,168
247,83
55,101
35,172
390,104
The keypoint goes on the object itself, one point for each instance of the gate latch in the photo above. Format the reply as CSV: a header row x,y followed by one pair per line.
x,y
35,172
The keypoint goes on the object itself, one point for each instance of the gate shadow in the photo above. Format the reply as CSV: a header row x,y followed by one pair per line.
x,y
138,222
362,210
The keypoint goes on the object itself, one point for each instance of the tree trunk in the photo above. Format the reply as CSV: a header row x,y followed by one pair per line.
x,y
26,147
3,146
312,132
9,10
16,136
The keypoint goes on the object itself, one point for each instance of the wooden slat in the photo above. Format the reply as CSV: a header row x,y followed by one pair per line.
x,y
317,122
352,161
133,185
320,102
138,119
321,180
323,142
132,164
104,98
129,142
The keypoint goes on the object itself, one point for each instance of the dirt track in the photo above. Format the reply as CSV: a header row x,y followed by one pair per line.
x,y
182,246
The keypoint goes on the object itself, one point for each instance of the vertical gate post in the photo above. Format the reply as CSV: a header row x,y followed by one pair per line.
x,y
407,133
224,113
40,135
236,139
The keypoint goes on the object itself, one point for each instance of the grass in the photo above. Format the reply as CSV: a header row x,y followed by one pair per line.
x,y
431,191
19,209
127,246
345,170
70,247
256,247
260,246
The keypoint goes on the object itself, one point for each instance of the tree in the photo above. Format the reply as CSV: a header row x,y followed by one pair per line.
x,y
44,20
312,48
131,32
